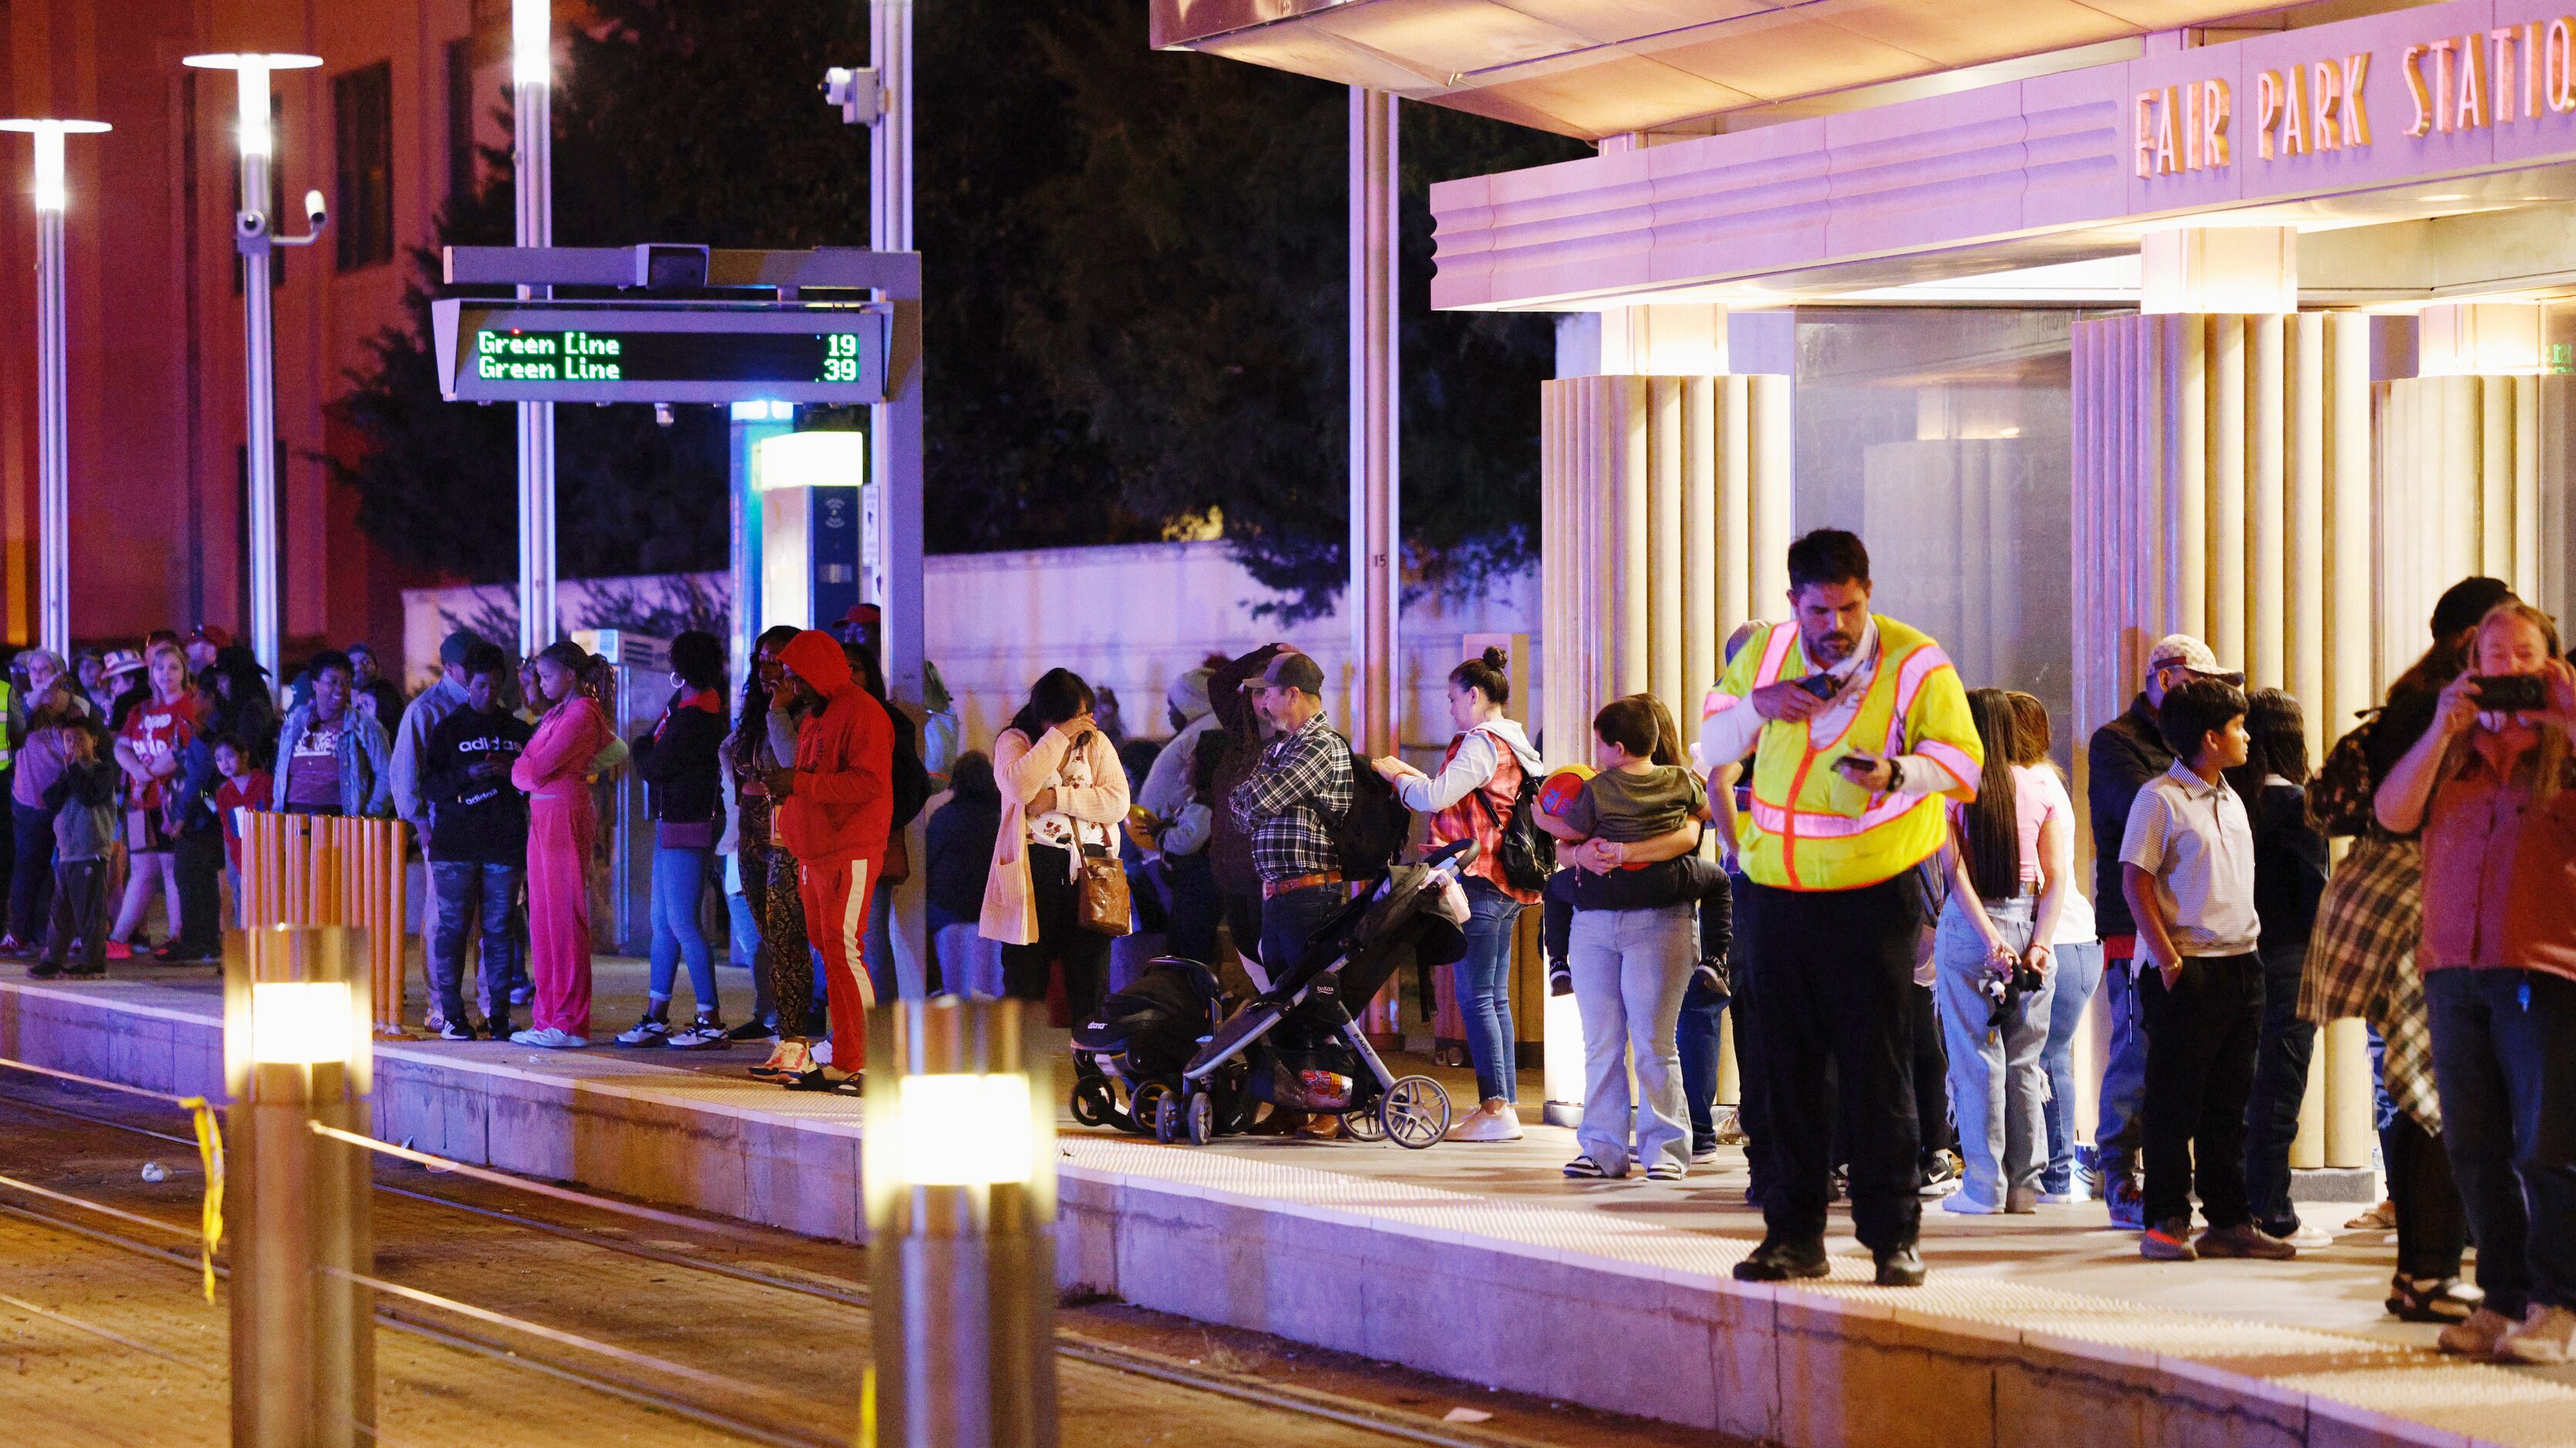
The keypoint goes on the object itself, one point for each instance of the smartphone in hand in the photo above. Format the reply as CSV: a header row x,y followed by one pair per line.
x,y
1823,686
2512,693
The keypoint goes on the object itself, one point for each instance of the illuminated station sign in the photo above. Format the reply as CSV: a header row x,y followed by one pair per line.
x,y
542,351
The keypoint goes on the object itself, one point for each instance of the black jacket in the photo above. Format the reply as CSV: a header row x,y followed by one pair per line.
x,y
677,759
960,836
2289,864
478,821
2124,755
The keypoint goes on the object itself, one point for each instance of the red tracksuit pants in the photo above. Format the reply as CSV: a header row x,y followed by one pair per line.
x,y
835,890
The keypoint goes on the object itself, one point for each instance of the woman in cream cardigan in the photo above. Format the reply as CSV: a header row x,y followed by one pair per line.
x,y
1062,789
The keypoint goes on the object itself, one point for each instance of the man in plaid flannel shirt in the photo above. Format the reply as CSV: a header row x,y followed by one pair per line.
x,y
1291,806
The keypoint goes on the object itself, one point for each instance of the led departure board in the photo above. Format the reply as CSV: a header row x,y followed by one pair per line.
x,y
660,351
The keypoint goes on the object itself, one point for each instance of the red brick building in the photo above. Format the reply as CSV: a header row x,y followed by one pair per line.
x,y
386,128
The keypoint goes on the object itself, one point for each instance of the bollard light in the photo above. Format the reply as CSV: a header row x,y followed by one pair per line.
x,y
962,1130
299,1022
298,1051
957,1164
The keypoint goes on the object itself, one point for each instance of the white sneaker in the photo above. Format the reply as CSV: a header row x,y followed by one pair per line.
x,y
2546,1335
2059,1199
1483,1125
823,1051
550,1037
2310,1237
1966,1204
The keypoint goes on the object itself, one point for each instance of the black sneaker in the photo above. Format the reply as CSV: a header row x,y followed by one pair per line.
x,y
497,1028
1560,978
1778,1261
752,1031
447,1030
45,970
1900,1267
85,972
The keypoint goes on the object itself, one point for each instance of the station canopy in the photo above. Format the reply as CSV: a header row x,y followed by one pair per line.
x,y
1595,68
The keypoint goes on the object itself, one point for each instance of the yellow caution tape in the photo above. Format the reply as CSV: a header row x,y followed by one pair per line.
x,y
210,1153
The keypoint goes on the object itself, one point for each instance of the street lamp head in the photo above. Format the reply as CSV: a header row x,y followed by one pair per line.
x,y
317,212
50,192
532,42
251,70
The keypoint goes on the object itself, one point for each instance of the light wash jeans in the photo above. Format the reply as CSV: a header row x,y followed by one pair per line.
x,y
1630,968
1998,1091
1484,983
679,887
969,965
2079,974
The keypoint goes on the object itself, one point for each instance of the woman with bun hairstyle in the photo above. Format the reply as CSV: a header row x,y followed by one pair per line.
x,y
563,824
1472,798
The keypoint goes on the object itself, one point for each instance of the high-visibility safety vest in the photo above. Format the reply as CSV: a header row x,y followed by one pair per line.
x,y
8,700
1812,829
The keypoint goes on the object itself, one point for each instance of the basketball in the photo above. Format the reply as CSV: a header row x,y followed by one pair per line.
x,y
1557,792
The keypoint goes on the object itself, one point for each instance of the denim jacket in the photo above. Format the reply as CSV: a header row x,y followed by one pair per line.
x,y
366,781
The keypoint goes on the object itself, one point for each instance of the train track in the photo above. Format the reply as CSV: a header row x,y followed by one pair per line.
x,y
1379,1420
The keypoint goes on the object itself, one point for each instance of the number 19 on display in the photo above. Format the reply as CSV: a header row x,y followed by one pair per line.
x,y
840,358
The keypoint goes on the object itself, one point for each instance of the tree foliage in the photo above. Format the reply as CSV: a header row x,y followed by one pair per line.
x,y
1136,273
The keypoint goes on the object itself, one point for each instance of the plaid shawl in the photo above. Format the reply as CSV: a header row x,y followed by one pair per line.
x,y
2361,962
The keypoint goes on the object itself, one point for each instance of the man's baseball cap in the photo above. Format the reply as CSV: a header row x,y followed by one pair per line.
x,y
211,634
1290,671
2184,651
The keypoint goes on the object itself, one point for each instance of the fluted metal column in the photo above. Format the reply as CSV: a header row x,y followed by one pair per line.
x,y
1376,594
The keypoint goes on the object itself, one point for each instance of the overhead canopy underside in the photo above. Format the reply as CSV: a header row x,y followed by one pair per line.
x,y
1595,68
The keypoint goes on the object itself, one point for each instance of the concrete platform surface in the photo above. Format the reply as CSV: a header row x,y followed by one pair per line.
x,y
1477,1261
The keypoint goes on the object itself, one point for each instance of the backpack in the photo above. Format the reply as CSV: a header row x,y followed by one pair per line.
x,y
2340,797
1377,826
1526,853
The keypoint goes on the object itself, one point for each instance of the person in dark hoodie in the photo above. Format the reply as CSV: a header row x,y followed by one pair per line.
x,y
83,798
677,760
477,844
834,809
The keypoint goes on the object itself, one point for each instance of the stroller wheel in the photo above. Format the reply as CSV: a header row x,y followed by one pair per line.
x,y
1167,1118
1141,1106
1414,1112
1093,1105
1202,1117
1363,1125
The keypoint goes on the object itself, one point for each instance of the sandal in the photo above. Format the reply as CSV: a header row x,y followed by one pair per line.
x,y
1584,1168
2442,1300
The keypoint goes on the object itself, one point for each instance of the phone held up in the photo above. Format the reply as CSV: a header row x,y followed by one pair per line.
x,y
1820,685
2512,693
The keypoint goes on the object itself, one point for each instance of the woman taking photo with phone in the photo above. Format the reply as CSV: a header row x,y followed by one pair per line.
x,y
2493,787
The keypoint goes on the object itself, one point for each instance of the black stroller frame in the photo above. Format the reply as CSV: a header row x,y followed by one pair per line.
x,y
1348,958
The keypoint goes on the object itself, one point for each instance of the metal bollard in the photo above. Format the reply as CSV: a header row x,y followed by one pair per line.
x,y
297,1050
958,1161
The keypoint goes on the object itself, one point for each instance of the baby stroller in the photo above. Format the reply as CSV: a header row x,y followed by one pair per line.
x,y
1127,1060
1297,1043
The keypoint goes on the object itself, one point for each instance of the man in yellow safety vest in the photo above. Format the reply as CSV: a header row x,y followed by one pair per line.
x,y
1859,732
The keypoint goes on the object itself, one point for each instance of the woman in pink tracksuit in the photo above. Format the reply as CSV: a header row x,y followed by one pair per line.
x,y
555,770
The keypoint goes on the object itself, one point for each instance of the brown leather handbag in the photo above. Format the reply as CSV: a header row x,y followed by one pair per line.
x,y
1099,880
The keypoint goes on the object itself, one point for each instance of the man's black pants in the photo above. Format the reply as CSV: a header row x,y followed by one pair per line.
x,y
1831,980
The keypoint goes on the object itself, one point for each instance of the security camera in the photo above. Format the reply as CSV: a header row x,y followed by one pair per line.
x,y
317,213
854,92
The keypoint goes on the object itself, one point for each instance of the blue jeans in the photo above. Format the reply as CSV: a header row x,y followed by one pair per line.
x,y
1484,982
1996,1082
1696,1034
1630,968
470,894
1289,920
2119,1131
679,888
2079,974
2281,1056
2508,1086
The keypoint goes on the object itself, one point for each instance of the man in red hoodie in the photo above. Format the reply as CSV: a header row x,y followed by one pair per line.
x,y
834,810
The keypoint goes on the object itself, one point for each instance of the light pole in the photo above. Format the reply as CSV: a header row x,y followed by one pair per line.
x,y
53,434
532,168
252,239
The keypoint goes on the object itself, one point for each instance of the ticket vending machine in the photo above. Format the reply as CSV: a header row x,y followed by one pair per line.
x,y
621,904
815,533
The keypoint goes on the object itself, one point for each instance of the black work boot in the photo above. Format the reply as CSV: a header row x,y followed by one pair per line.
x,y
1778,1261
1900,1266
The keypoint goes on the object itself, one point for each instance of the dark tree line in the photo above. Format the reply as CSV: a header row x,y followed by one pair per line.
x,y
1135,265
